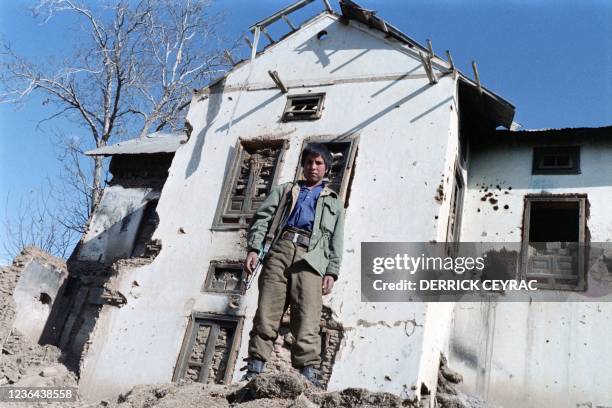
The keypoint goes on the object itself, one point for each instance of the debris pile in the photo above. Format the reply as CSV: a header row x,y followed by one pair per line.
x,y
26,364
447,395
269,390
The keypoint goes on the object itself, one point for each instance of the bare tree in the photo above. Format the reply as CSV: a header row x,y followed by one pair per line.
x,y
34,223
132,72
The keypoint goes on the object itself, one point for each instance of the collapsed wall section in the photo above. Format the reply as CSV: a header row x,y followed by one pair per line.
x,y
29,288
118,240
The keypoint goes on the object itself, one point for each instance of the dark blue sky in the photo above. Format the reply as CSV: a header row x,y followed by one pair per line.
x,y
551,59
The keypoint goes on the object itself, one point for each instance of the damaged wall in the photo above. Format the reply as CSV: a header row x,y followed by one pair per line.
x,y
28,290
114,226
534,354
416,118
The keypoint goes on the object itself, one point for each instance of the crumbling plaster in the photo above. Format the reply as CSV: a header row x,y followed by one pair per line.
x,y
34,296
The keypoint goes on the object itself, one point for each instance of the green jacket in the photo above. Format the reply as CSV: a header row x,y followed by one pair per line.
x,y
325,249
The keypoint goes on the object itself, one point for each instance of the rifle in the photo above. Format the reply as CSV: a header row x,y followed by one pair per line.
x,y
263,252
248,280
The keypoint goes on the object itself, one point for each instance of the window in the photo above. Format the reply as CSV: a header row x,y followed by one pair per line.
x,y
224,277
554,231
343,151
253,174
556,160
454,218
148,225
303,107
209,348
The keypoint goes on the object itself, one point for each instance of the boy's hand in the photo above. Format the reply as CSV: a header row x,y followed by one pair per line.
x,y
328,284
250,262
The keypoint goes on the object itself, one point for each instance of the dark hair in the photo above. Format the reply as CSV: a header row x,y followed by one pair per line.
x,y
318,149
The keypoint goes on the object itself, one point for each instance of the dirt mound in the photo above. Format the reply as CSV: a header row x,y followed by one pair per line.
x,y
274,390
359,397
27,364
182,395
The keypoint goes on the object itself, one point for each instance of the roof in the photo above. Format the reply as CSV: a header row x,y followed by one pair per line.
x,y
574,133
153,143
495,110
498,111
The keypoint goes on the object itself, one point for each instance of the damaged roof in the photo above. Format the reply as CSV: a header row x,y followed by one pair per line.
x,y
495,108
492,108
153,143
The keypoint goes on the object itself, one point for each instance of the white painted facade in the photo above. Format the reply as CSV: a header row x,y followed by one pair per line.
x,y
376,90
535,354
406,123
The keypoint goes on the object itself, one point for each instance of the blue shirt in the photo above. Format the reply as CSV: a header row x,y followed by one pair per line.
x,y
303,213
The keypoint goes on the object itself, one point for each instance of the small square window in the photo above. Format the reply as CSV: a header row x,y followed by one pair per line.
x,y
556,160
224,277
303,107
209,349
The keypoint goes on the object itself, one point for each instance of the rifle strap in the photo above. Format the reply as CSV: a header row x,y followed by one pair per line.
x,y
280,212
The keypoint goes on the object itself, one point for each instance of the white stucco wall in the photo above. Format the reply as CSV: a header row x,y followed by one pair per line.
x,y
407,143
34,296
534,354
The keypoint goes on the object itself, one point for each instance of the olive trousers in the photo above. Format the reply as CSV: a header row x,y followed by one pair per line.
x,y
287,280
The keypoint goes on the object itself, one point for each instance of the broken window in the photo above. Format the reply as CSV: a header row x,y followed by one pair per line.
x,y
251,178
554,233
556,160
343,157
209,349
303,107
148,225
224,277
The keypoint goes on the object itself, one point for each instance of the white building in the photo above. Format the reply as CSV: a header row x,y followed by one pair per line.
x,y
414,140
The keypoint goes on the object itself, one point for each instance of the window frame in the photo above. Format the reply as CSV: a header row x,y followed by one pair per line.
x,y
314,116
242,145
196,320
453,227
582,201
349,168
206,287
539,152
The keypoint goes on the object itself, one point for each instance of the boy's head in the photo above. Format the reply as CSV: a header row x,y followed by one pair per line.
x,y
316,162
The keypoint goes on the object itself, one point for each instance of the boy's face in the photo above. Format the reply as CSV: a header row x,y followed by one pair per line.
x,y
314,168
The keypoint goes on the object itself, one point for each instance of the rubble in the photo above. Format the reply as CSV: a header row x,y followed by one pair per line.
x,y
26,364
273,390
448,396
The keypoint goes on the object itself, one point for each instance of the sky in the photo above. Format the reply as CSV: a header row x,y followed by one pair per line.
x,y
551,59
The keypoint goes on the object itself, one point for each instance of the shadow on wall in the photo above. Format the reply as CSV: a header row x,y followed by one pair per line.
x,y
119,240
225,127
386,110
334,38
83,294
215,98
